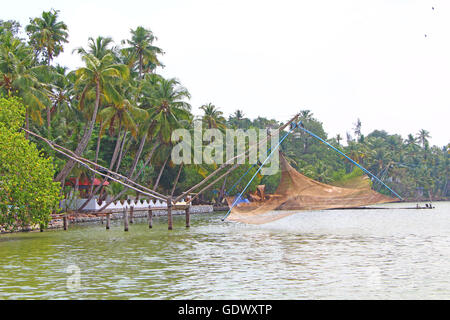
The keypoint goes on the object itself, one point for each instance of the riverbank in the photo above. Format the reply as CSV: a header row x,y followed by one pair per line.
x,y
57,221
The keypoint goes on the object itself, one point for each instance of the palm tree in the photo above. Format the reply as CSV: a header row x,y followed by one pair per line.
x,y
422,137
116,117
143,50
121,114
61,89
47,35
306,114
99,75
213,117
338,139
164,100
235,119
98,47
19,77
168,108
9,26
357,129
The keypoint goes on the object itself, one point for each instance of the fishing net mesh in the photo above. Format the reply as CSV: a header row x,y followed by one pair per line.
x,y
298,192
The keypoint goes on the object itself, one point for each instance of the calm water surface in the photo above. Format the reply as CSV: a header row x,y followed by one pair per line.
x,y
339,254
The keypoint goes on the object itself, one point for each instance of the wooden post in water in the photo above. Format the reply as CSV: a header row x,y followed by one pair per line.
x,y
65,221
150,217
108,221
131,214
169,213
125,219
188,216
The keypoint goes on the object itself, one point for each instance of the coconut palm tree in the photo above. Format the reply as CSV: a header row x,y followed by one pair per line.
x,y
422,137
47,35
212,117
9,26
142,48
168,108
164,101
98,47
117,117
122,115
19,77
99,75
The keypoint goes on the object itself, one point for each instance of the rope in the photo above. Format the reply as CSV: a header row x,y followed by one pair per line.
x,y
259,169
242,177
351,160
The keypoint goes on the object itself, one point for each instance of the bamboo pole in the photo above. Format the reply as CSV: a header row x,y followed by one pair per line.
x,y
82,161
188,217
150,218
212,183
108,221
169,213
230,161
131,214
176,180
65,222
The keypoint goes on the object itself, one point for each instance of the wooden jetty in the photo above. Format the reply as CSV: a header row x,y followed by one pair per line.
x,y
126,216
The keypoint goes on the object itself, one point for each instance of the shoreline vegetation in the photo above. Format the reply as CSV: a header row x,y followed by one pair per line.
x,y
119,112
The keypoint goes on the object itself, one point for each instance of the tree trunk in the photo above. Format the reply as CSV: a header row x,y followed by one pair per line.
x,y
61,177
222,190
160,174
176,180
121,151
140,66
132,208
147,160
111,164
138,155
97,150
130,173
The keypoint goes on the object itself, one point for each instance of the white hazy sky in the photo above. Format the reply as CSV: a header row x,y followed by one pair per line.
x,y
386,62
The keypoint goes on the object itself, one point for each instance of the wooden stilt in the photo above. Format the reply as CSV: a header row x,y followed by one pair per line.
x,y
125,219
150,218
65,222
108,221
131,214
169,213
188,217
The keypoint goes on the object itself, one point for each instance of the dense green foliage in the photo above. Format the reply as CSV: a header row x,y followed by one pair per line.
x,y
28,194
118,111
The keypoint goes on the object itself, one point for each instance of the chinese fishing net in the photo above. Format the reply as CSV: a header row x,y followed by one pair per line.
x,y
297,192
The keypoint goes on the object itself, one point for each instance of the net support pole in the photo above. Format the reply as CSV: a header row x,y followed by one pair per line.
x,y
351,160
259,169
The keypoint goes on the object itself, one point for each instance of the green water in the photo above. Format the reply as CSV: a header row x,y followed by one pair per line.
x,y
348,254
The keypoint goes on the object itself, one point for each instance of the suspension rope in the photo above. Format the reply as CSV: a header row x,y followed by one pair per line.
x,y
351,160
259,169
242,177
